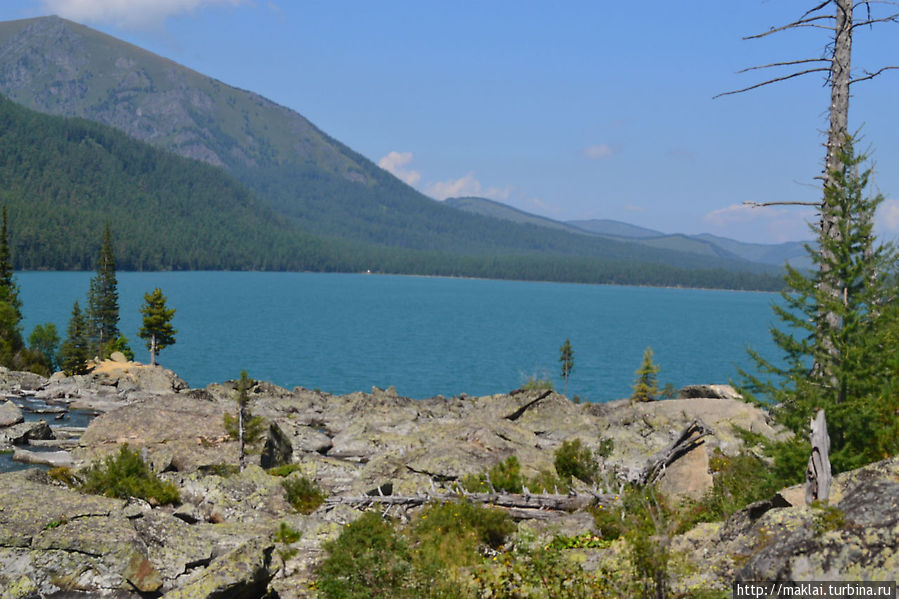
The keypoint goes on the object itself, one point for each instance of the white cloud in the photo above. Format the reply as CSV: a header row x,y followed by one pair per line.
x,y
888,216
466,186
763,224
129,13
395,162
598,152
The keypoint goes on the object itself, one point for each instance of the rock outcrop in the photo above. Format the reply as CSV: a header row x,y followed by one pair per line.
x,y
220,540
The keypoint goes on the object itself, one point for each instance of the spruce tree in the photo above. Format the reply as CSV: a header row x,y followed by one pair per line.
x,y
566,357
842,364
9,289
74,352
103,298
157,328
646,385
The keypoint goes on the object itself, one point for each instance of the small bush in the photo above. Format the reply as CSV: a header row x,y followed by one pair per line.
x,y
286,536
63,474
575,459
549,482
253,431
738,481
531,572
303,494
368,559
127,475
606,447
535,384
285,470
504,476
223,470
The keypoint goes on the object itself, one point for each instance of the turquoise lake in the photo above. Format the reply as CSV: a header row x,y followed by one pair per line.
x,y
425,336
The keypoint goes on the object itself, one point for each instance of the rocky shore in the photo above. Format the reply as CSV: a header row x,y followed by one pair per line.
x,y
219,541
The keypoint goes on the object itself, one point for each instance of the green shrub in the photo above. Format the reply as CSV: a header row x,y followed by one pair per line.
x,y
549,482
606,447
738,481
127,475
223,470
285,470
303,494
465,524
368,559
285,537
253,431
575,459
63,474
536,572
535,384
504,476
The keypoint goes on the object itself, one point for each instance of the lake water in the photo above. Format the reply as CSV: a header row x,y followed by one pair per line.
x,y
425,336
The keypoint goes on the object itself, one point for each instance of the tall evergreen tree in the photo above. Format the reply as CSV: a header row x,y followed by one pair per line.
x,y
566,357
157,329
74,352
103,298
840,364
9,289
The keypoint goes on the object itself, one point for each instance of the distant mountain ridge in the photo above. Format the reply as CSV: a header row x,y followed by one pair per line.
x,y
703,244
62,68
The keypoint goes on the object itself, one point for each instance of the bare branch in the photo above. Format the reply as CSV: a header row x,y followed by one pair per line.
x,y
872,75
890,19
809,22
770,81
765,204
816,9
783,64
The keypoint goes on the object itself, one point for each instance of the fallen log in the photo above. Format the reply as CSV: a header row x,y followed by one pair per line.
x,y
689,439
521,506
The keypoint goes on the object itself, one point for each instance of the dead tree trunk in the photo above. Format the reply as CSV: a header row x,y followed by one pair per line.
x,y
837,134
689,439
519,506
818,474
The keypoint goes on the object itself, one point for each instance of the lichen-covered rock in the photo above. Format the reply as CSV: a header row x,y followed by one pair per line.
x,y
22,433
13,382
10,414
243,572
178,432
856,537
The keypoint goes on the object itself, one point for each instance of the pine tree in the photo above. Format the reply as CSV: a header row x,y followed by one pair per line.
x,y
9,289
566,357
103,299
646,385
243,415
839,362
74,351
157,329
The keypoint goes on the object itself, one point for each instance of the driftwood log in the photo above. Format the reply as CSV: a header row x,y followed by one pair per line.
x,y
519,506
818,474
689,439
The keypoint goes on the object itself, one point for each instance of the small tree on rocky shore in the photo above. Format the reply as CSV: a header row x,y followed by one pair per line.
x,y
247,428
566,357
157,330
646,385
74,351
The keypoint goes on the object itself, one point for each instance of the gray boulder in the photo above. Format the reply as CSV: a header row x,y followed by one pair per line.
x,y
10,414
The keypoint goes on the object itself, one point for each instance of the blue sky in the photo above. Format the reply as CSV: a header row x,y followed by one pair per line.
x,y
574,110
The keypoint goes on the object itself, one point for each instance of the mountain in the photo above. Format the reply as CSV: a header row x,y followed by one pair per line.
x,y
703,244
299,177
614,228
63,179
495,209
